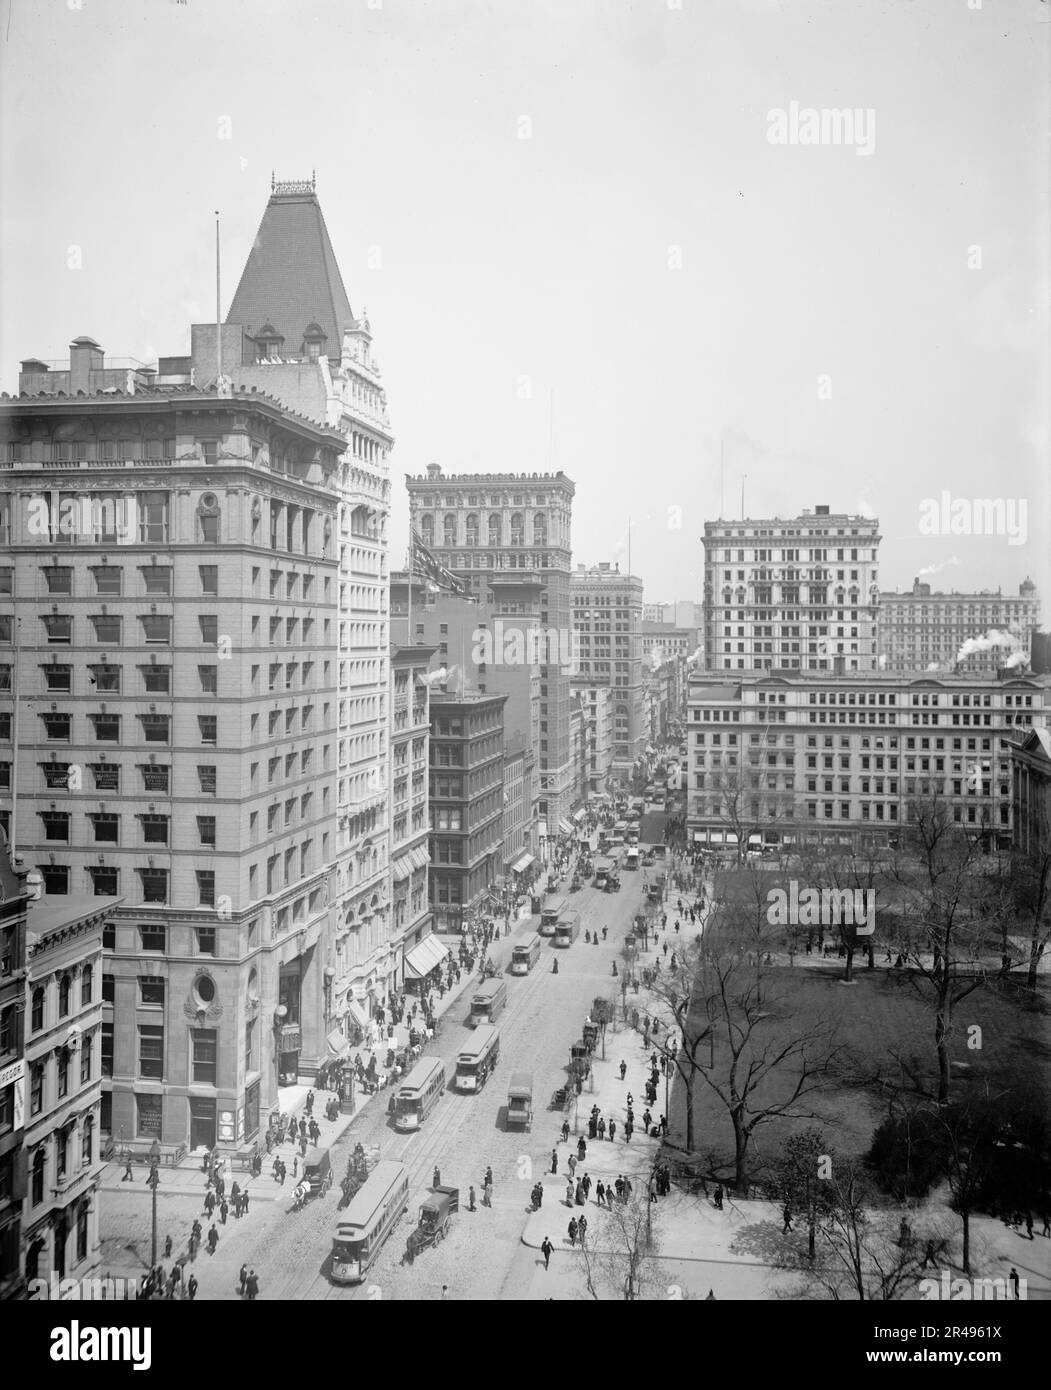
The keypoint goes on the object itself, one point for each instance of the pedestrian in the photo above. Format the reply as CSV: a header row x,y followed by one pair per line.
x,y
571,1164
612,1130
1047,1224
601,1128
600,1192
167,1247
629,1129
582,1149
569,1192
252,1284
619,1188
554,1160
310,1103
244,1203
623,1070
545,1249
224,1211
787,1214
209,1204
718,1197
1029,1225
1013,1276
929,1256
487,1194
191,1287
242,1278
470,1203
573,1232
627,1189
129,1176
213,1239
565,1131
581,1196
437,1177
235,1192
489,1176
587,1186
582,1228
663,1125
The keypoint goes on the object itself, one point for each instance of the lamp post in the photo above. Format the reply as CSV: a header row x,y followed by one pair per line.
x,y
153,1180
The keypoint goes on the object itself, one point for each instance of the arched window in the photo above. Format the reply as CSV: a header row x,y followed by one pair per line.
x,y
495,528
87,1140
87,980
517,529
63,996
36,1016
540,529
472,528
449,525
427,530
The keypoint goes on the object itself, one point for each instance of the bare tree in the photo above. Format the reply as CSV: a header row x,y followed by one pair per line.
x,y
844,872
945,916
620,1255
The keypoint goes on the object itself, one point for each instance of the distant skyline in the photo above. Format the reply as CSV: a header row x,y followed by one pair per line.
x,y
587,241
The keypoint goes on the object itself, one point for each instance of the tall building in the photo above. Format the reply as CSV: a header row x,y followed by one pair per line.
x,y
173,574
792,595
507,537
467,789
777,757
410,824
597,704
14,899
302,343
607,622
67,1045
971,633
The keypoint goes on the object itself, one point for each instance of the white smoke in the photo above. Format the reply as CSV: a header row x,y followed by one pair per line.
x,y
435,677
934,666
883,662
995,637
935,569
694,656
1016,659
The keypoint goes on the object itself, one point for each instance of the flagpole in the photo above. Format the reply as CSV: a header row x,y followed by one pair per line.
x,y
218,311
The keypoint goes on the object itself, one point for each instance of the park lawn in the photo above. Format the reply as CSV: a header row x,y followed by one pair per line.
x,y
882,1015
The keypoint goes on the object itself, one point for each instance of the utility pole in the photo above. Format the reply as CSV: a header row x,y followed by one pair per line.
x,y
153,1181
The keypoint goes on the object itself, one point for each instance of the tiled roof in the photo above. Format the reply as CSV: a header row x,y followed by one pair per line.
x,y
291,277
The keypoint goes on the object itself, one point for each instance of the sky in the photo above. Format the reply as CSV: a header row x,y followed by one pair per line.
x,y
591,235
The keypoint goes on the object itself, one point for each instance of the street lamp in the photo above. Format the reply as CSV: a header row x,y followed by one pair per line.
x,y
153,1180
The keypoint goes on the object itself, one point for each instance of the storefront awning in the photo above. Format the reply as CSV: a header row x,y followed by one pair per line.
x,y
337,1044
579,815
407,865
425,956
522,863
358,1013
564,826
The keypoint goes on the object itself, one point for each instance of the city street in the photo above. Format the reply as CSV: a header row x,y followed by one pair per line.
x,y
483,1256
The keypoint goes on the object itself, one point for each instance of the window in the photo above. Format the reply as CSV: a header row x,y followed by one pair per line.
x,y
209,678
87,983
155,777
107,629
154,829
206,778
106,1049
106,827
151,1051
58,678
87,1139
156,679
204,1055
155,727
36,1015
157,578
106,775
107,727
209,578
63,1073
154,885
206,829
108,580
209,624
57,727
206,887
59,629
105,678
157,629
153,517
56,879
59,580
206,941
151,989
56,825
36,1091
209,727
104,881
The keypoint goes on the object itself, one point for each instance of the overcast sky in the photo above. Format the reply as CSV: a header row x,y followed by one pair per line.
x,y
642,286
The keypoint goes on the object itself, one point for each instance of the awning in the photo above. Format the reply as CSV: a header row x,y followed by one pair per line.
x,y
338,1046
564,826
522,863
420,856
403,867
358,1013
425,956
579,815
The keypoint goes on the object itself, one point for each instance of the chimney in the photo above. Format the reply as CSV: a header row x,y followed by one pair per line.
x,y
85,357
821,511
434,470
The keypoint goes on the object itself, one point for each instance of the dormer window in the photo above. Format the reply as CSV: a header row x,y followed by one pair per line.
x,y
313,341
268,341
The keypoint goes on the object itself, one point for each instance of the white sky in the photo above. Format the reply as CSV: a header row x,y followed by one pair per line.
x,y
547,258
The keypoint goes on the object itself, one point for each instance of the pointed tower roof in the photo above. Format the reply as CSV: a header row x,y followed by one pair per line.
x,y
291,281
